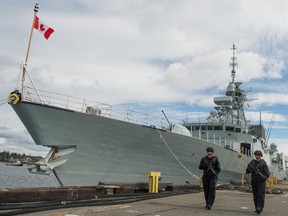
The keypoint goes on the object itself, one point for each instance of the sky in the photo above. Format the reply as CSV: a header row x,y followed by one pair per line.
x,y
152,54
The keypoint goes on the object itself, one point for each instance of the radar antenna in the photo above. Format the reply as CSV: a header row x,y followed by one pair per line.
x,y
233,63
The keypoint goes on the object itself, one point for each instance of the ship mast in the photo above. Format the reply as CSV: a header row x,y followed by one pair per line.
x,y
233,63
229,109
238,95
36,9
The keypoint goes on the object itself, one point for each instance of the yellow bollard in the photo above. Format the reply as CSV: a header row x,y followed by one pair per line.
x,y
268,182
275,180
153,181
271,181
201,181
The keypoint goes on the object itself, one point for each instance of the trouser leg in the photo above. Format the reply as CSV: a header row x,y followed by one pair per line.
x,y
261,195
212,191
255,191
206,191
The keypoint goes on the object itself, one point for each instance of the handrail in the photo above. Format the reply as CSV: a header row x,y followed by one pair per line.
x,y
90,107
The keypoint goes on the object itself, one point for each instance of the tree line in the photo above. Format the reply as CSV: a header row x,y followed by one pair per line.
x,y
7,156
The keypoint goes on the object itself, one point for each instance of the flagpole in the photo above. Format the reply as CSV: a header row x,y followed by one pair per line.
x,y
36,9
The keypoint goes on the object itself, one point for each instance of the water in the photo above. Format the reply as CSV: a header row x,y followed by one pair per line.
x,y
19,177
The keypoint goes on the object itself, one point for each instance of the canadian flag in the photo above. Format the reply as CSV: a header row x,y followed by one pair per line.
x,y
43,28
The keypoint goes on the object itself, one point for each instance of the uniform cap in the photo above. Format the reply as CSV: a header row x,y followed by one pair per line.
x,y
258,152
210,149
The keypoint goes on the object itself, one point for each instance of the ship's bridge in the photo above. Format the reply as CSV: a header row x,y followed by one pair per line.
x,y
213,126
231,136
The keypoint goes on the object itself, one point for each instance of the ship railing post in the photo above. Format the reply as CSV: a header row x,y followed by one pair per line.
x,y
34,87
67,103
24,92
83,105
50,98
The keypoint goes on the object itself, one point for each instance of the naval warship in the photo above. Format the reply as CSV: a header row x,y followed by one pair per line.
x,y
92,142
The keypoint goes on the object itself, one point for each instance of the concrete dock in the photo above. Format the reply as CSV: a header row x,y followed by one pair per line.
x,y
228,202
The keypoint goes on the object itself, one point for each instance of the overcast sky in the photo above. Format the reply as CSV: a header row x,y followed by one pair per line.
x,y
165,54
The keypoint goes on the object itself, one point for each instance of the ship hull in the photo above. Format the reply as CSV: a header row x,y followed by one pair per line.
x,y
88,149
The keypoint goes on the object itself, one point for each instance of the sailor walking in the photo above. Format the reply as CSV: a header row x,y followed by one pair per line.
x,y
260,173
211,168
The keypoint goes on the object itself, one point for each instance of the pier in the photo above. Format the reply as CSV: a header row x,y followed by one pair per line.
x,y
236,200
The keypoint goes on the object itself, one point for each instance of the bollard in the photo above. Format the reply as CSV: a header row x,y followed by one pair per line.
x,y
201,181
275,180
268,182
153,181
271,181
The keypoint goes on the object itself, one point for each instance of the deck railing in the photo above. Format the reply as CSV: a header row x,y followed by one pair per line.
x,y
118,112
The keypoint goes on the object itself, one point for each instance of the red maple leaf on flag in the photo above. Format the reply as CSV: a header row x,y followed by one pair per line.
x,y
43,28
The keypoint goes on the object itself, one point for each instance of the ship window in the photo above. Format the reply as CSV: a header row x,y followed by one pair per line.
x,y
203,127
229,128
218,127
209,127
238,130
197,128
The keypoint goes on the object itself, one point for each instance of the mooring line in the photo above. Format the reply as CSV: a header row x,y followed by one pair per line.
x,y
197,178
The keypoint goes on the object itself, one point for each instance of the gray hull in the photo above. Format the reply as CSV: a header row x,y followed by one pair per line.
x,y
89,149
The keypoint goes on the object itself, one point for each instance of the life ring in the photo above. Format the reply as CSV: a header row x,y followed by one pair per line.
x,y
13,98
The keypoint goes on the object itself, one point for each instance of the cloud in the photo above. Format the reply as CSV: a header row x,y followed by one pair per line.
x,y
173,54
15,140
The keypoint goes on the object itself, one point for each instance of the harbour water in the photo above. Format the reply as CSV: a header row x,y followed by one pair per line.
x,y
19,177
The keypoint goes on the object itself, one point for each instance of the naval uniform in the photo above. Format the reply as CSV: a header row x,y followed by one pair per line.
x,y
258,181
211,168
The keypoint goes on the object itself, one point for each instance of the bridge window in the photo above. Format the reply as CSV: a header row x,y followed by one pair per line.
x,y
218,127
229,128
203,127
197,128
238,130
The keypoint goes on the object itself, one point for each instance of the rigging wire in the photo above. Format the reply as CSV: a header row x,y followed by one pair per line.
x,y
270,126
3,101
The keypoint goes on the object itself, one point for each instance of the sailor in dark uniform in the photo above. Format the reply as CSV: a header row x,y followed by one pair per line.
x,y
211,167
260,173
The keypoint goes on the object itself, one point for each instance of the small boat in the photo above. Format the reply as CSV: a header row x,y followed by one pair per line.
x,y
16,163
